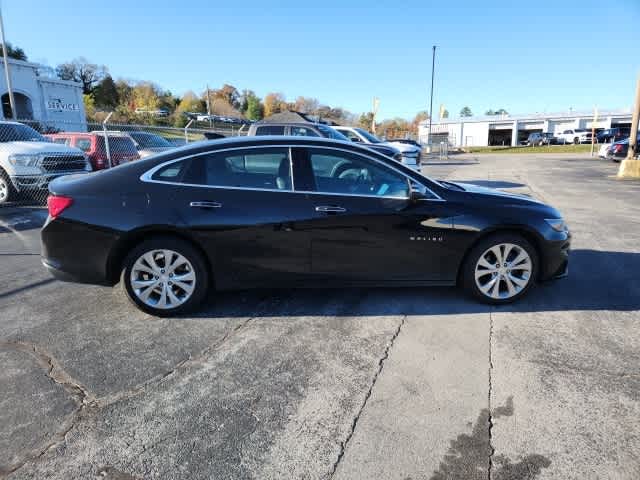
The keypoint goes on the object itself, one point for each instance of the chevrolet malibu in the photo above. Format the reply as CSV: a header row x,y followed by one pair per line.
x,y
292,212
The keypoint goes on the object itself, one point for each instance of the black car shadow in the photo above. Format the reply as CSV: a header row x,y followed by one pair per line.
x,y
598,280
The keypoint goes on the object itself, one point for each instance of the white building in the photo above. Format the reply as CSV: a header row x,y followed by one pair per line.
x,y
41,97
513,129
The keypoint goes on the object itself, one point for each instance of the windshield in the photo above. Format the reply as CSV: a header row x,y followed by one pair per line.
x,y
371,138
329,132
150,140
16,132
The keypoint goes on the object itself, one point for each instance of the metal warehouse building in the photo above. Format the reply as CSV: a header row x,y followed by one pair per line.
x,y
41,97
514,129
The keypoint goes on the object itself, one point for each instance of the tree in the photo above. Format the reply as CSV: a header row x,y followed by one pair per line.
x,y
14,52
466,112
80,70
146,96
365,120
105,94
420,117
306,105
89,107
502,111
189,103
445,113
273,103
255,109
228,93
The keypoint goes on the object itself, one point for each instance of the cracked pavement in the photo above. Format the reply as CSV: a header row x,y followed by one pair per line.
x,y
408,383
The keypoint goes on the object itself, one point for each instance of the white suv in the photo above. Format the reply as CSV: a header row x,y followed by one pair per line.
x,y
410,153
28,161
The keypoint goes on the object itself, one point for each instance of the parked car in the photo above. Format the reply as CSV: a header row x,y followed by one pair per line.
x,y
541,138
315,130
575,135
617,151
28,162
262,211
410,154
122,149
611,135
408,141
149,143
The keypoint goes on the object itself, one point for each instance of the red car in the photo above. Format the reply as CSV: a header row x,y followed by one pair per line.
x,y
122,148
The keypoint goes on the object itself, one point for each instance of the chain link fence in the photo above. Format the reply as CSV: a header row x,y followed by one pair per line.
x,y
32,153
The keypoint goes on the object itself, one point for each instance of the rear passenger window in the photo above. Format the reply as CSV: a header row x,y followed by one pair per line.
x,y
266,168
83,144
270,130
171,173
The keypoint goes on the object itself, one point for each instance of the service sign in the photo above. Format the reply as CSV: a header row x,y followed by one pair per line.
x,y
61,106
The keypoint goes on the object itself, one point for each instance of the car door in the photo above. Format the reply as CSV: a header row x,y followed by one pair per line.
x,y
364,226
240,206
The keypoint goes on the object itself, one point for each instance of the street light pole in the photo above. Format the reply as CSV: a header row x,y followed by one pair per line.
x,y
7,75
433,69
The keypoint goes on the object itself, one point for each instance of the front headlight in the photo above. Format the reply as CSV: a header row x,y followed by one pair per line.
x,y
23,160
557,224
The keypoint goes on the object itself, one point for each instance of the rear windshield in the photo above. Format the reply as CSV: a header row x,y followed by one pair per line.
x,y
329,132
117,144
149,140
13,132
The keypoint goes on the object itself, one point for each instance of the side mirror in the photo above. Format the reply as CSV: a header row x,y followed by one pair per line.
x,y
416,192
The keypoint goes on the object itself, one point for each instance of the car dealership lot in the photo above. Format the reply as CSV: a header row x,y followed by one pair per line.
x,y
351,383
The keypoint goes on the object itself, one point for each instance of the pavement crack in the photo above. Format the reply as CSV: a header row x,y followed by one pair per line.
x,y
191,360
354,423
492,450
83,398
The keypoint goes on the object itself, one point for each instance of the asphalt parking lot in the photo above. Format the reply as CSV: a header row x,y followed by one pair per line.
x,y
408,383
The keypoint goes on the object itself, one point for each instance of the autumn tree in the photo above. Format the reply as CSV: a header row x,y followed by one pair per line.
x,y
82,71
365,120
466,112
306,104
228,93
273,103
14,52
445,114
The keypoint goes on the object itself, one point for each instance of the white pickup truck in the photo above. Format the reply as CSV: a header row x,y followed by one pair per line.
x,y
574,135
28,161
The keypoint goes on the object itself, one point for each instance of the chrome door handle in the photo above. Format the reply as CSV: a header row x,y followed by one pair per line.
x,y
330,209
205,204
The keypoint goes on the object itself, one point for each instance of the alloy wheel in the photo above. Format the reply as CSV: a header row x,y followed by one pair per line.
x,y
4,190
503,271
163,279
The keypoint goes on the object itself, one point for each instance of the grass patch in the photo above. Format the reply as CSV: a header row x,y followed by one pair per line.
x,y
586,148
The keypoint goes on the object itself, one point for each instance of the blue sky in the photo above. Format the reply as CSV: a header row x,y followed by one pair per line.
x,y
525,57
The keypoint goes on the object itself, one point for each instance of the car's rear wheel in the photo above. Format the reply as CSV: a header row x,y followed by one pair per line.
x,y
576,141
165,276
500,269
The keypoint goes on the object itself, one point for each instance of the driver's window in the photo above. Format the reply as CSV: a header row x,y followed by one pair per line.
x,y
339,172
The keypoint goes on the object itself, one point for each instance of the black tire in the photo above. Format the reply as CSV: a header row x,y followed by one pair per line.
x,y
576,141
469,267
194,257
7,191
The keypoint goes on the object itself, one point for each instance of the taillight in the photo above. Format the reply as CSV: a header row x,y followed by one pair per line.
x,y
617,148
58,204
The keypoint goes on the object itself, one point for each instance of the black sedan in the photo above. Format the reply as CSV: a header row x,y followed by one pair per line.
x,y
292,212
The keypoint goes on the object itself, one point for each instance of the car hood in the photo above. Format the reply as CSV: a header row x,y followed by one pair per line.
x,y
497,194
37,147
403,147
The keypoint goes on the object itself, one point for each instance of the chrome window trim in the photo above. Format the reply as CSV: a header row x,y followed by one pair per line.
x,y
146,176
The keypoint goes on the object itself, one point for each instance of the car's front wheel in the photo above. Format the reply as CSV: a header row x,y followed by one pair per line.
x,y
165,276
500,269
7,192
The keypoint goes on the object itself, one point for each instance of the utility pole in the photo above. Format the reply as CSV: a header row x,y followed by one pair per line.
x,y
630,166
433,70
209,105
593,130
376,105
7,74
